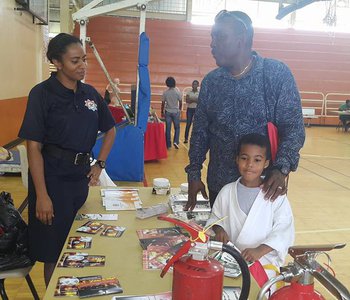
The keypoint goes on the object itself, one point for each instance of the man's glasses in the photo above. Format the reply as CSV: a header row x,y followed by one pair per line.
x,y
231,14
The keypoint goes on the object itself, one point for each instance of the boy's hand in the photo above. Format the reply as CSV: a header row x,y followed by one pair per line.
x,y
254,254
251,254
220,235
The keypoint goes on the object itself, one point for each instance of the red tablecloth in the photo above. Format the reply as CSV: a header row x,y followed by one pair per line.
x,y
154,142
117,113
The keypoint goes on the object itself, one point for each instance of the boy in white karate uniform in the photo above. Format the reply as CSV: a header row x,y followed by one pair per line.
x,y
262,230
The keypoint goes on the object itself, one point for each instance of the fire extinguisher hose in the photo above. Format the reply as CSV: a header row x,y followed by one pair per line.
x,y
268,285
244,269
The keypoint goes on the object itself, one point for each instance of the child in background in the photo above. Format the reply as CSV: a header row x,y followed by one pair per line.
x,y
262,230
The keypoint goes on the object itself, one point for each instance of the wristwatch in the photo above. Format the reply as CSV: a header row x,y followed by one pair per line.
x,y
101,163
284,170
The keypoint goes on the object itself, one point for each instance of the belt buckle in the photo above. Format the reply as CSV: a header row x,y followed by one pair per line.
x,y
76,159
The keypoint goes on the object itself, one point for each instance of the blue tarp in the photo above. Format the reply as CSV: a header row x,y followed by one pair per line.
x,y
126,159
144,98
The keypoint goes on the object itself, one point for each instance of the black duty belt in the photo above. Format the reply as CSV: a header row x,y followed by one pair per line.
x,y
76,158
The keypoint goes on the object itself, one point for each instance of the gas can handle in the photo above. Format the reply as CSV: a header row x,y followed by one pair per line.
x,y
301,250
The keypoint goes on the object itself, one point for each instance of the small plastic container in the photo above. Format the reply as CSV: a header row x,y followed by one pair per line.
x,y
184,188
161,186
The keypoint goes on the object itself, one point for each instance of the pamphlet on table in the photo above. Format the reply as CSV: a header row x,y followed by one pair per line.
x,y
121,199
80,260
79,242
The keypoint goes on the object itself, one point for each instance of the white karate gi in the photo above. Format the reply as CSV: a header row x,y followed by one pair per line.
x,y
269,223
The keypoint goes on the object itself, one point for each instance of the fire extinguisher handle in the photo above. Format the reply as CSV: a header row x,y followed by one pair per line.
x,y
183,250
196,233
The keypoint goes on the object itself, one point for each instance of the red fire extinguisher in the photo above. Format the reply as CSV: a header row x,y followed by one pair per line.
x,y
197,277
301,274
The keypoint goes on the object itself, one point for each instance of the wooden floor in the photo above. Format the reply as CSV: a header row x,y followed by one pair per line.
x,y
319,193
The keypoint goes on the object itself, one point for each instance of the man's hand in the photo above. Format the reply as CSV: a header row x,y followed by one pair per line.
x,y
220,234
274,185
44,210
194,187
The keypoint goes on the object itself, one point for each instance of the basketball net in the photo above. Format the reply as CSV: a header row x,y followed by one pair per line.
x,y
330,18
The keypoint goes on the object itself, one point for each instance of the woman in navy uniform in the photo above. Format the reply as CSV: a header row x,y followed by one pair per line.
x,y
60,125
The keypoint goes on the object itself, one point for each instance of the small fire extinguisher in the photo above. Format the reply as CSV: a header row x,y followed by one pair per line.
x,y
195,275
301,274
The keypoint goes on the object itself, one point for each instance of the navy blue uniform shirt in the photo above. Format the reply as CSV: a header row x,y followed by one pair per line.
x,y
56,115
229,108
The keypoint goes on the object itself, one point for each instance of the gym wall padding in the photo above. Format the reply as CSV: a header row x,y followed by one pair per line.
x,y
126,159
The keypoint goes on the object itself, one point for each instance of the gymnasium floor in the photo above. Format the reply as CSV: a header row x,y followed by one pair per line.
x,y
319,193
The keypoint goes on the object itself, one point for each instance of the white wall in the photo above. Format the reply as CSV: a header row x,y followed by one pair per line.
x,y
22,52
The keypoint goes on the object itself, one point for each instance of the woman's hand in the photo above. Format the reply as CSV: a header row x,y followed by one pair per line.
x,y
44,210
94,175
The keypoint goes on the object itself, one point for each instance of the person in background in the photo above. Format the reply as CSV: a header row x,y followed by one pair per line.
x,y
191,100
60,125
171,108
110,97
261,230
241,96
345,119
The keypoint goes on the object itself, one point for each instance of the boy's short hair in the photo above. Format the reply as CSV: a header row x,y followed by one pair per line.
x,y
257,140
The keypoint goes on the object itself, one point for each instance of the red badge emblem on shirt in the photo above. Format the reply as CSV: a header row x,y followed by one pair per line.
x,y
90,104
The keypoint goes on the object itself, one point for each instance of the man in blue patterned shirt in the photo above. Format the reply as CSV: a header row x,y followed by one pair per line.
x,y
239,97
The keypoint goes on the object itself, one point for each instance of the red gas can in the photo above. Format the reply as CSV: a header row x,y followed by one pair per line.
x,y
197,279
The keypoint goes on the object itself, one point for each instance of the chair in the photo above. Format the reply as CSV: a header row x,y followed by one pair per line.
x,y
308,114
341,127
24,164
17,273
23,272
